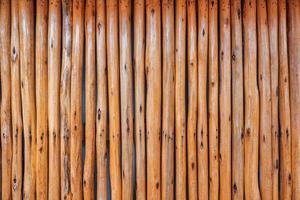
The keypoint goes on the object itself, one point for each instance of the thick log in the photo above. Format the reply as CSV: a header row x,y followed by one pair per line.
x,y
168,101
284,107
76,99
153,97
26,28
202,131
41,71
6,131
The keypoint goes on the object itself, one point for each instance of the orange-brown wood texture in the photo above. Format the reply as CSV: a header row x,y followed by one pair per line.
x,y
41,70
272,11
6,127
251,100
192,99
153,97
65,100
293,19
284,106
265,109
54,62
139,87
76,99
26,30
180,106
90,99
16,105
126,87
168,101
237,175
213,106
225,100
112,48
102,104
202,129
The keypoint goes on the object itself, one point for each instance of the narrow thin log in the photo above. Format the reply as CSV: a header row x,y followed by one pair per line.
x,y
237,179
139,87
6,132
272,6
264,74
294,71
65,100
284,107
225,100
202,131
213,106
192,99
54,56
102,104
90,99
168,104
26,28
114,98
153,106
251,101
126,83
76,99
180,110
16,107
41,29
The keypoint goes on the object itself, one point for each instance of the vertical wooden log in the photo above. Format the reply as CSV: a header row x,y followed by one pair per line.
x,y
213,106
54,55
202,131
65,100
153,106
272,6
6,132
192,99
225,100
26,27
284,107
237,179
90,99
102,104
168,104
265,140
126,83
294,70
139,87
251,101
16,107
76,99
114,98
180,110
41,98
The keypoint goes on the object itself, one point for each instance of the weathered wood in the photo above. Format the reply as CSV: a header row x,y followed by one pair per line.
x,y
251,101
16,105
76,99
168,101
26,28
6,127
294,71
202,131
284,107
192,99
237,177
139,88
65,100
90,99
41,70
153,97
114,98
